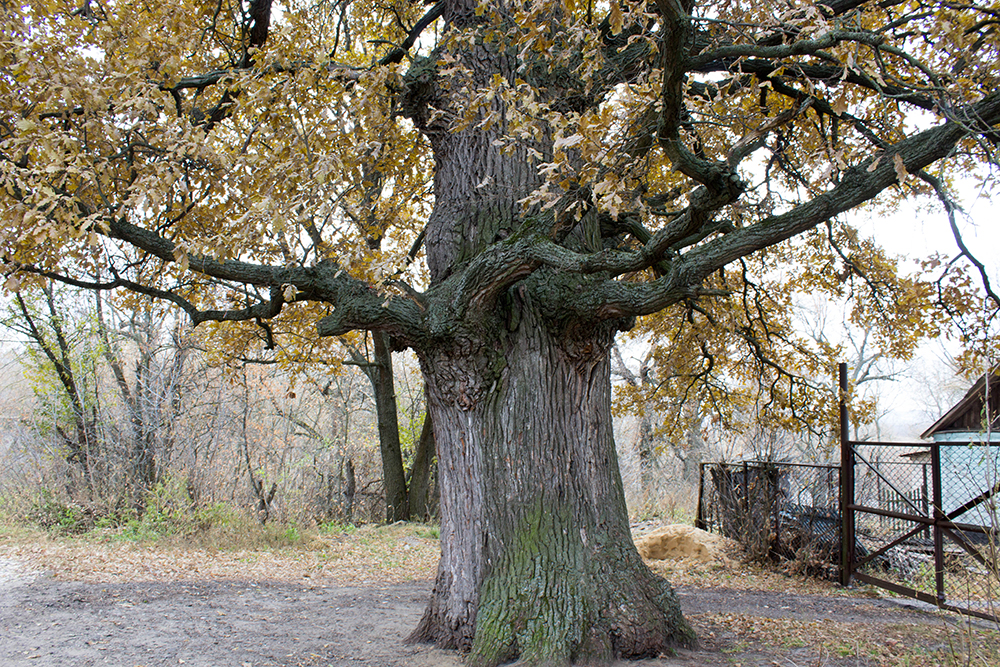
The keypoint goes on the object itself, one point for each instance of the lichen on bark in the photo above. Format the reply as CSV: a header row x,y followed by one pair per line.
x,y
557,598
538,564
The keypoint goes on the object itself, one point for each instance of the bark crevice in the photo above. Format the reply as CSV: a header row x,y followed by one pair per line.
x,y
537,559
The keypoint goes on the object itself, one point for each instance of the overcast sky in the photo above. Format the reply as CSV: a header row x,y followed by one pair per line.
x,y
918,229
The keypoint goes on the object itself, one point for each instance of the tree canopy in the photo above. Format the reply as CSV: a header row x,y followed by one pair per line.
x,y
501,186
236,158
765,357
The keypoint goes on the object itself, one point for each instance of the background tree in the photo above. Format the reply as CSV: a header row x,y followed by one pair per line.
x,y
406,492
116,435
243,439
768,359
152,399
54,333
590,164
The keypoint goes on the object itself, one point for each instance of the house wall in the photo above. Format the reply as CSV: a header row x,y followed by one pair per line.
x,y
969,469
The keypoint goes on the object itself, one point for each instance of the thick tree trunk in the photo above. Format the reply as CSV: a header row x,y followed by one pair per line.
x,y
537,558
393,474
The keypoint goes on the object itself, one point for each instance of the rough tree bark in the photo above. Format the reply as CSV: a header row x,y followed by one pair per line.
x,y
537,561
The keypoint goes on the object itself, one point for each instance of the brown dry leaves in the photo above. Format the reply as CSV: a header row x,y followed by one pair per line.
x,y
373,555
381,555
874,644
368,556
737,575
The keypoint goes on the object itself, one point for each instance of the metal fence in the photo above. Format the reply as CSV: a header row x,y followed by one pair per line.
x,y
918,519
779,511
924,518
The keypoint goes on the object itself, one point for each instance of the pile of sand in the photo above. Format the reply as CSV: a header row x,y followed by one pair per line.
x,y
681,542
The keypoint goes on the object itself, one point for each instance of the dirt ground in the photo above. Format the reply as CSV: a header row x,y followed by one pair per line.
x,y
51,616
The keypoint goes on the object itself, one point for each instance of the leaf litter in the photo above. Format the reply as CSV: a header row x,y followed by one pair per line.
x,y
745,614
370,555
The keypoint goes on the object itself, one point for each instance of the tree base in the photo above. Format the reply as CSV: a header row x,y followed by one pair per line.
x,y
555,600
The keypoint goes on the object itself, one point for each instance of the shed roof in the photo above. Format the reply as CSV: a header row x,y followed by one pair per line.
x,y
916,455
968,414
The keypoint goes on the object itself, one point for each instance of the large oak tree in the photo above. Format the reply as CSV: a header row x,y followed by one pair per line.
x,y
561,167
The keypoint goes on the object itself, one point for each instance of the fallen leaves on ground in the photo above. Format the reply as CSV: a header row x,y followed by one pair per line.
x,y
371,555
875,644
382,555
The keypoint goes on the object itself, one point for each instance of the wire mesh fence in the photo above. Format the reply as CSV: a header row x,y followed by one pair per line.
x,y
969,487
777,511
925,520
893,492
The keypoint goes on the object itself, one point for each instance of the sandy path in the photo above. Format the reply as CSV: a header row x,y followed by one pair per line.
x,y
221,623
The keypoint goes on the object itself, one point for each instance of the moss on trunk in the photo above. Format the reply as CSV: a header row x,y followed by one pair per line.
x,y
557,598
537,558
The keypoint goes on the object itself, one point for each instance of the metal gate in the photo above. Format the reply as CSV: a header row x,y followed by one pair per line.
x,y
920,527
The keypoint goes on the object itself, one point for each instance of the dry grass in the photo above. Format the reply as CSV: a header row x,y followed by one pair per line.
x,y
738,575
870,644
368,556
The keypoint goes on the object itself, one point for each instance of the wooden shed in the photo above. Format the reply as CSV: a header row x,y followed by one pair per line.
x,y
967,419
968,436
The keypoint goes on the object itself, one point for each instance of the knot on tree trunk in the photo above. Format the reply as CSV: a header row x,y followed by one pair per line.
x,y
464,371
420,95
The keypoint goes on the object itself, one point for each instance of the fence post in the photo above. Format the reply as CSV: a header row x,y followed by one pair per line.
x,y
776,507
699,521
746,492
925,497
939,517
846,484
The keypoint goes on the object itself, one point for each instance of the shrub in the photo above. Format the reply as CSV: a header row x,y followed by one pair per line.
x,y
53,513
